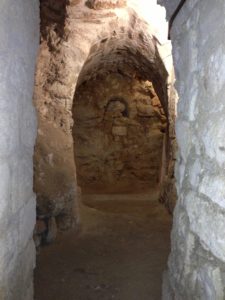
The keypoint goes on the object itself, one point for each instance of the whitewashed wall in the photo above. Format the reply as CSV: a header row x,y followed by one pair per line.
x,y
19,38
197,260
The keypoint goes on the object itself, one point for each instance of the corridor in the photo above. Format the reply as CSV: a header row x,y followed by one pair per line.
x,y
120,253
122,100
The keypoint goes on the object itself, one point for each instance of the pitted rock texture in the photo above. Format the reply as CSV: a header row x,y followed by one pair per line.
x,y
100,4
53,16
77,43
118,133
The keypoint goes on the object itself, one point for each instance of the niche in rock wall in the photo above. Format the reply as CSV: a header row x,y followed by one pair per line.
x,y
118,134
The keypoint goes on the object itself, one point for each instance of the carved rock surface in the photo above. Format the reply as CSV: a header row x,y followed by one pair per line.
x,y
117,148
104,4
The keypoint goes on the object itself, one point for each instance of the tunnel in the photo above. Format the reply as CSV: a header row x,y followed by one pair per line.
x,y
110,187
108,116
99,159
119,122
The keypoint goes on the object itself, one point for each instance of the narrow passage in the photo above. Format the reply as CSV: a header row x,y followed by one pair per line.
x,y
120,252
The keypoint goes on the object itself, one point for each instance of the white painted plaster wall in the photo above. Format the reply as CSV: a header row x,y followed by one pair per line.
x,y
197,260
19,38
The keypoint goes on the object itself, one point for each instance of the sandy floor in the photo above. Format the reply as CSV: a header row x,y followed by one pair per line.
x,y
120,253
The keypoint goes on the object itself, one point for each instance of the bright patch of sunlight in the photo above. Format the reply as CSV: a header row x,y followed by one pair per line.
x,y
154,15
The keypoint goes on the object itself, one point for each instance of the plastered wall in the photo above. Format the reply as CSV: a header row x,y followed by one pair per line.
x,y
197,260
19,38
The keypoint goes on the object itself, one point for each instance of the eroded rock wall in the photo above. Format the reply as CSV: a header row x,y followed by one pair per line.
x,y
55,182
197,260
119,131
19,39
74,34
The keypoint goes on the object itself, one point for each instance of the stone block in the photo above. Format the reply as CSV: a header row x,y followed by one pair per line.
x,y
209,283
145,110
201,213
119,130
213,188
213,139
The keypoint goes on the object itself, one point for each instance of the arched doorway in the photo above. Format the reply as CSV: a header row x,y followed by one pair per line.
x,y
118,97
127,43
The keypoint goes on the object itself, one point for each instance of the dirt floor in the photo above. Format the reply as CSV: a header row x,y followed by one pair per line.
x,y
120,252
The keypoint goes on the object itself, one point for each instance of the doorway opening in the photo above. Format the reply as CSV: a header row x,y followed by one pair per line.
x,y
112,112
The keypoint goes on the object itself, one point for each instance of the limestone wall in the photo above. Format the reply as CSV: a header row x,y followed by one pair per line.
x,y
19,30
197,260
119,131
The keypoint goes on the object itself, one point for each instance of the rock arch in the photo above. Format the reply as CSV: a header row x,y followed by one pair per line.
x,y
116,38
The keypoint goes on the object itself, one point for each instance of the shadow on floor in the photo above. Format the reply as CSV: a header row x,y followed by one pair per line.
x,y
120,253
